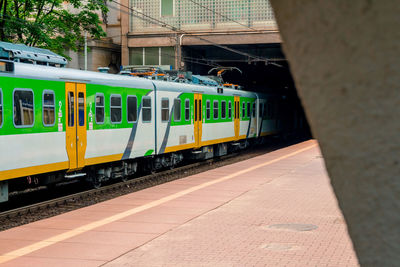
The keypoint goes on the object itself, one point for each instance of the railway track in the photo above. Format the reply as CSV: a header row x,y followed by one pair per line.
x,y
48,208
26,214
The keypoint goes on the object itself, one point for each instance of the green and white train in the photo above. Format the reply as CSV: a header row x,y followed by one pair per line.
x,y
58,123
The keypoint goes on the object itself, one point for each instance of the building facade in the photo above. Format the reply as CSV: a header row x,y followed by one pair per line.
x,y
105,52
159,29
162,32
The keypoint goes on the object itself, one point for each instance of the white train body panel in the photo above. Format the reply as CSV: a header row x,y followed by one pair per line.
x,y
28,150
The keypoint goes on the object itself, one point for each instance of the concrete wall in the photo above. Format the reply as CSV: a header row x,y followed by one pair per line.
x,y
97,57
344,56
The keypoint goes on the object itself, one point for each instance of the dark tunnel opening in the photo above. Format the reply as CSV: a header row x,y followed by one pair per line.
x,y
269,73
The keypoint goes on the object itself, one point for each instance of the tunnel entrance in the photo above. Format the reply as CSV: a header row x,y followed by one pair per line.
x,y
269,73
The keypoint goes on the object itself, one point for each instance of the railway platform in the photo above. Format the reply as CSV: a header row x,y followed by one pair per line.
x,y
277,209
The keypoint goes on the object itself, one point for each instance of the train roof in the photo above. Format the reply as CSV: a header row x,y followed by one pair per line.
x,y
19,52
193,88
66,74
79,76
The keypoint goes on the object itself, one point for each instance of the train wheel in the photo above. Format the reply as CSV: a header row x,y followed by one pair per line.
x,y
93,180
96,184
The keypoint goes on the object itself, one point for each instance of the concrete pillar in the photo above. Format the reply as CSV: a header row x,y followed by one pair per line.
x,y
344,56
124,32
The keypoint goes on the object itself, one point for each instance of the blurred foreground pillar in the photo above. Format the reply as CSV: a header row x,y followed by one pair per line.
x,y
345,59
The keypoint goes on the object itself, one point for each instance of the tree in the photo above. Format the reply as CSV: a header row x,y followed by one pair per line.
x,y
52,24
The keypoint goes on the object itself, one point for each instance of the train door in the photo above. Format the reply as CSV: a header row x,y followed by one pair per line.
x,y
76,139
237,117
198,119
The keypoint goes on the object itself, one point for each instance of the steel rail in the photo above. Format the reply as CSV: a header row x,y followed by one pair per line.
x,y
65,200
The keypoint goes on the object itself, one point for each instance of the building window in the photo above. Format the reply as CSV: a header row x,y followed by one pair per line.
x,y
223,110
1,108
243,110
177,109
187,109
146,108
136,56
229,109
215,111
254,109
164,109
24,113
167,7
168,56
152,56
99,108
116,108
131,108
49,114
248,109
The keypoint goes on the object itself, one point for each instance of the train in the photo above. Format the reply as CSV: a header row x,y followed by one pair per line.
x,y
61,124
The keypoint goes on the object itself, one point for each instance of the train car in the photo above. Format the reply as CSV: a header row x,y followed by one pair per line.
x,y
58,124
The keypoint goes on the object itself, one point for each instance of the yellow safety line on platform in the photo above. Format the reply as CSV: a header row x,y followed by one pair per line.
x,y
88,227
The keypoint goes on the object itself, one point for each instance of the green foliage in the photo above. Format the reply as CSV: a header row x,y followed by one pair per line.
x,y
53,24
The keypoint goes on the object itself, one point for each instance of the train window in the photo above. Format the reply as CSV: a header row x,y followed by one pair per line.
x,y
200,111
243,109
81,109
254,109
71,109
99,108
131,108
223,109
146,109
116,108
187,109
49,107
260,109
1,108
164,109
177,109
195,110
248,109
215,111
208,109
24,112
229,110
236,109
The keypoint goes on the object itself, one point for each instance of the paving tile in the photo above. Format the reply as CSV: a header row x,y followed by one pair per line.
x,y
239,232
28,234
225,224
8,245
202,206
68,250
151,217
51,262
130,200
137,227
57,223
165,209
111,238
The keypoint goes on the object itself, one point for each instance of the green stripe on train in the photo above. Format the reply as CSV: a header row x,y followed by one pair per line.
x,y
8,84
